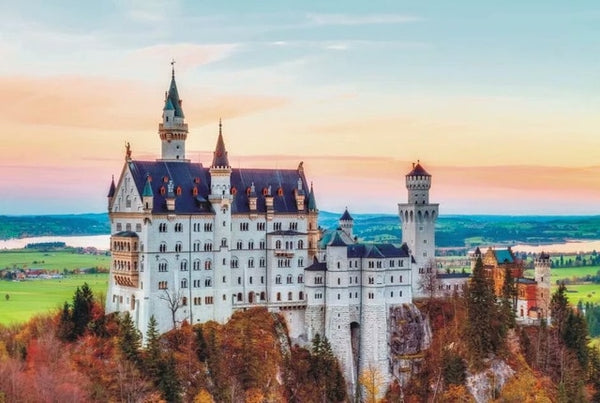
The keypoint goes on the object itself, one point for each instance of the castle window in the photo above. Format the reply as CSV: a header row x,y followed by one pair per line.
x,y
319,280
162,266
208,265
278,296
300,262
339,281
379,264
239,245
162,227
138,227
208,227
224,242
339,297
391,279
234,263
262,245
119,226
207,247
184,301
162,285
276,226
290,296
208,300
350,280
244,226
260,226
262,279
250,245
289,279
400,293
178,191
208,282
251,262
196,283
371,280
197,301
278,245
183,265
278,279
371,264
184,283
391,263
293,226
301,296
196,246
162,247
392,294
338,265
301,244
401,263
371,295
300,279
178,247
262,262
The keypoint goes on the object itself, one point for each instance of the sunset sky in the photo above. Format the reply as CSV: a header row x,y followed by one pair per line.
x,y
499,101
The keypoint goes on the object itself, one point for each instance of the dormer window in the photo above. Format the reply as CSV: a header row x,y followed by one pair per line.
x,y
163,190
195,191
280,192
165,179
233,191
196,180
248,191
265,191
178,191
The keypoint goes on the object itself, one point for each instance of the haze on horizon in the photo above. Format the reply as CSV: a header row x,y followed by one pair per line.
x,y
499,102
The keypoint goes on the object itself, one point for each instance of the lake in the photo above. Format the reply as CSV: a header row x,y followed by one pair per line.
x,y
567,247
101,242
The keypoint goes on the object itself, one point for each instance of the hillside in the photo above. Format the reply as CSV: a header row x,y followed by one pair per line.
x,y
48,225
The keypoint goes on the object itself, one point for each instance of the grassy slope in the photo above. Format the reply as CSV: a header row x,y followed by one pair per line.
x,y
28,298
53,260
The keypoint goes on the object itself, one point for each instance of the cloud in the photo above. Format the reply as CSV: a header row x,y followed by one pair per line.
x,y
187,55
368,19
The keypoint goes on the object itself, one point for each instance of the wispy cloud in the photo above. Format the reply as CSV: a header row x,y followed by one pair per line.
x,y
369,19
186,55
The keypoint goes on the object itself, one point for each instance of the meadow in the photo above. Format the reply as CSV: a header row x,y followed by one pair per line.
x,y
51,260
33,297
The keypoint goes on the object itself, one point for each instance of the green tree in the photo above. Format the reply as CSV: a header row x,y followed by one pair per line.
x,y
82,309
483,327
559,307
454,369
575,336
65,324
152,355
325,371
508,301
130,339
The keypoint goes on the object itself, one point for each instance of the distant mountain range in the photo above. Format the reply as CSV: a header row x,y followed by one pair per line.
x,y
451,231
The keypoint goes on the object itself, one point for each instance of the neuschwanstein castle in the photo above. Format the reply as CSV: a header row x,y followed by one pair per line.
x,y
197,243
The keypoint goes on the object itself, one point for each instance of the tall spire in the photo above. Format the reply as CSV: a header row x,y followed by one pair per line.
x,y
173,130
112,189
173,94
312,203
220,155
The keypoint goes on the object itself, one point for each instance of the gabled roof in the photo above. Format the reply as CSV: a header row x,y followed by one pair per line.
x,y
504,256
317,266
337,241
376,251
168,105
147,188
418,170
346,216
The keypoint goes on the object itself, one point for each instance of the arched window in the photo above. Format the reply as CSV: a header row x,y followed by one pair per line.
x,y
251,262
183,265
239,297
289,279
207,264
234,263
300,279
163,247
300,244
208,282
301,296
184,283
278,279
290,297
178,247
278,245
196,264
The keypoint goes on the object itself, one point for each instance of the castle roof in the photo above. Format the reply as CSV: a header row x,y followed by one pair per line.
x,y
523,280
147,189
337,241
346,216
220,155
453,275
127,234
312,203
504,256
418,170
544,256
112,189
376,251
186,176
317,266
173,97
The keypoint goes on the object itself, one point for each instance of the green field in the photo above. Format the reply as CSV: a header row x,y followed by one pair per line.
x,y
31,297
52,260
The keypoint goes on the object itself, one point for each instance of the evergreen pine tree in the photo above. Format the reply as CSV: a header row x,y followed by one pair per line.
x,y
65,324
130,339
508,301
82,309
559,308
481,331
153,354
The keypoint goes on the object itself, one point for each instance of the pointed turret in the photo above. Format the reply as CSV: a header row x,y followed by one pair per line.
x,y
173,130
111,193
312,203
347,223
148,194
220,159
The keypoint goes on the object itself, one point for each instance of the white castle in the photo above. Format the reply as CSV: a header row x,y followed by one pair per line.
x,y
198,243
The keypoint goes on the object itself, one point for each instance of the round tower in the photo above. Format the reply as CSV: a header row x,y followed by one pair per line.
x,y
347,224
418,218
542,266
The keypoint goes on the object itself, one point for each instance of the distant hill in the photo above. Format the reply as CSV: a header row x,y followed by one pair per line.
x,y
48,225
451,230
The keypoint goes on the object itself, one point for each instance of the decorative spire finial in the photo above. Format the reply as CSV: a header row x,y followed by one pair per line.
x,y
173,68
220,126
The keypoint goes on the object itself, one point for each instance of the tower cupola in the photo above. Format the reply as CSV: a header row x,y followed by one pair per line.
x,y
220,159
418,183
347,223
173,130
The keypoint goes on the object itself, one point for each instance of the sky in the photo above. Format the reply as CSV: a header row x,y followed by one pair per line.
x,y
498,100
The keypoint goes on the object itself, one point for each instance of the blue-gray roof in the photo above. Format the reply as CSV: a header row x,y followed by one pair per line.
x,y
346,216
504,256
187,176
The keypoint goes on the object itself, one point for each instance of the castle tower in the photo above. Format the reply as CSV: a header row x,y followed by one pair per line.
x,y
418,219
347,223
220,197
173,130
111,193
313,226
542,265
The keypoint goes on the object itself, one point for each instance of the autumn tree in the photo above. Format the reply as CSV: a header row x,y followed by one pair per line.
x,y
429,281
373,384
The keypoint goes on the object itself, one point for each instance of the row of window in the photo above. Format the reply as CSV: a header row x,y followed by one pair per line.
x,y
138,227
371,280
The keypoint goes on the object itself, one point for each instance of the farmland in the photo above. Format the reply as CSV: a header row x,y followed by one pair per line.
x,y
54,260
